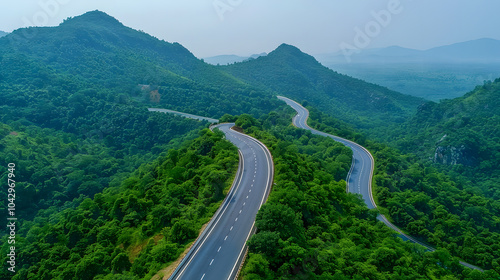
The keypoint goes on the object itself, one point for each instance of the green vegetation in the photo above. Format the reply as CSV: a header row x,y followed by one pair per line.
x,y
289,72
132,230
461,136
430,202
73,106
73,118
310,228
74,121
95,51
56,170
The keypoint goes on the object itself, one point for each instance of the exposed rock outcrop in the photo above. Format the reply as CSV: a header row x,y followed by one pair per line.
x,y
450,155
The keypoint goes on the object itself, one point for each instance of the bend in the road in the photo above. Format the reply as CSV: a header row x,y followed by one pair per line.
x,y
220,249
357,182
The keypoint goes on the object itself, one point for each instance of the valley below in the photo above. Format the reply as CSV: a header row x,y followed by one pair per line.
x,y
128,150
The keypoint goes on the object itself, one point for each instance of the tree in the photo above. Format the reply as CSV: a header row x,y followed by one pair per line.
x,y
120,263
256,268
265,242
281,219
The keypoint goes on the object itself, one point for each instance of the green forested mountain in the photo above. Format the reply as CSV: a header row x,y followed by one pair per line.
x,y
3,33
290,72
310,228
73,118
133,228
450,190
97,50
460,135
73,102
442,185
443,208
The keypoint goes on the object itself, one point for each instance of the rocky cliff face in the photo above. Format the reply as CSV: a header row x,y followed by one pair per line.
x,y
450,155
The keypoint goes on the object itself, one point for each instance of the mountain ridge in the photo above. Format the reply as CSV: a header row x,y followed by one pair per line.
x,y
290,72
94,47
229,59
458,132
485,50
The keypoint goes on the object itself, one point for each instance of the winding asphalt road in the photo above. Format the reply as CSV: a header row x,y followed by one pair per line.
x,y
218,252
359,179
360,175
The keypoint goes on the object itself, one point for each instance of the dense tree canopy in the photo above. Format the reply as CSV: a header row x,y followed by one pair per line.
x,y
310,228
431,203
132,229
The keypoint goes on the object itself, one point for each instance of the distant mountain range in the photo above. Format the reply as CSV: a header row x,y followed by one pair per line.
x,y
100,52
476,51
3,33
228,59
87,83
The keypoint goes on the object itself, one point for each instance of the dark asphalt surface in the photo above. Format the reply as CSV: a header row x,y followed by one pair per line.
x,y
220,249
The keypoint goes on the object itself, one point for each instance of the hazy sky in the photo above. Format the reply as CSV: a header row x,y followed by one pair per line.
x,y
244,27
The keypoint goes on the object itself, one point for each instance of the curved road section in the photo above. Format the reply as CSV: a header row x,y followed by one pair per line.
x,y
218,252
360,176
359,179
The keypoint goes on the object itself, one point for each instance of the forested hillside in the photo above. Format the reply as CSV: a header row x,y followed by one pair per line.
x,y
57,170
96,50
134,228
103,194
459,135
288,71
74,120
74,101
310,228
434,205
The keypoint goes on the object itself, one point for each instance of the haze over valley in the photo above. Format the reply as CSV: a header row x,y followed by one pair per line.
x,y
317,169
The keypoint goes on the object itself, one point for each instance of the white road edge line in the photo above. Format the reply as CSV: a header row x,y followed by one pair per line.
x,y
210,232
268,185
